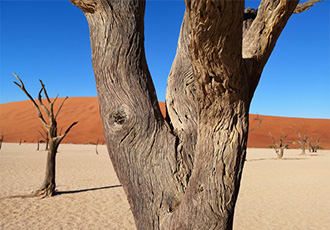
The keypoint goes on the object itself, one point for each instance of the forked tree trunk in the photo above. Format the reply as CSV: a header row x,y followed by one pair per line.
x,y
183,172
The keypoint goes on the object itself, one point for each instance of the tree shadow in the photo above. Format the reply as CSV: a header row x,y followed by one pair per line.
x,y
56,193
283,159
86,190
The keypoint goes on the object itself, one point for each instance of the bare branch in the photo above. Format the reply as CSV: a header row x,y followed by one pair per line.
x,y
260,39
30,97
305,6
60,138
44,89
42,104
259,125
273,140
42,135
53,102
59,109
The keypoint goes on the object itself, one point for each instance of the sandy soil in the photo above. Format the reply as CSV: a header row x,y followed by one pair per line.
x,y
19,121
289,194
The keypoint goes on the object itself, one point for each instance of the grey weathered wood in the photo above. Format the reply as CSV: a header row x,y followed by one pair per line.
x,y
182,172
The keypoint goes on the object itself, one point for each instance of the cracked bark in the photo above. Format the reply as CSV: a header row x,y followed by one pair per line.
x,y
182,172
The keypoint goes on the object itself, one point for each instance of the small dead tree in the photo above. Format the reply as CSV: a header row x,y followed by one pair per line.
x,y
48,186
316,145
259,123
38,144
302,141
279,146
1,140
45,137
97,143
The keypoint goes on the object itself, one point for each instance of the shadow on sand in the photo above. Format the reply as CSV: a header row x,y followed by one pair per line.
x,y
86,190
56,193
283,159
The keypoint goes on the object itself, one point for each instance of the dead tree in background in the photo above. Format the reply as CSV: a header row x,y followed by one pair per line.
x,y
302,141
309,144
48,186
316,145
259,123
45,137
38,144
1,140
183,172
97,143
279,146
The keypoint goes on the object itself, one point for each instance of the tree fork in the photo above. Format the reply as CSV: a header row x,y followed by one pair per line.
x,y
183,172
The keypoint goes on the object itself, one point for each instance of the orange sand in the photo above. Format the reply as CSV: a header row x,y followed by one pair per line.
x,y
19,121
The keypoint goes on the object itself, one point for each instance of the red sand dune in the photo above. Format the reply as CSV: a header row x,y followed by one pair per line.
x,y
19,121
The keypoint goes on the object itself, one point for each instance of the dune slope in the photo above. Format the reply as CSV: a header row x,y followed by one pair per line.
x,y
19,122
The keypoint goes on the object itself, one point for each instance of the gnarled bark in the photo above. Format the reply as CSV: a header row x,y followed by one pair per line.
x,y
182,172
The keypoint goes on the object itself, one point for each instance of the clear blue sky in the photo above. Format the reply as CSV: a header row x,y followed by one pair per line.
x,y
50,40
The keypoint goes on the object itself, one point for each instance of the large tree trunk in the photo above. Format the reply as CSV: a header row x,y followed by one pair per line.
x,y
183,172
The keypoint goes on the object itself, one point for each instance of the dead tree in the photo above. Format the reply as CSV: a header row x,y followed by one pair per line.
x,y
1,140
309,144
97,143
48,186
279,146
316,145
45,137
183,172
259,123
302,141
38,144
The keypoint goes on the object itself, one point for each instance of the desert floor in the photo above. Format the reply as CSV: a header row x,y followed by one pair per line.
x,y
293,193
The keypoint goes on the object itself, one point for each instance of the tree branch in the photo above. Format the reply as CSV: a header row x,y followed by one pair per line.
x,y
60,138
260,39
305,6
44,89
42,135
42,104
259,125
22,87
215,29
59,109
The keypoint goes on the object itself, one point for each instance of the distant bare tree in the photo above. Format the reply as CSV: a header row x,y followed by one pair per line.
x,y
38,144
316,145
309,144
97,142
259,123
302,141
1,140
45,137
279,146
48,186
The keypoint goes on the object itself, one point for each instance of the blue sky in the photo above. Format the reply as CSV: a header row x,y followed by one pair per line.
x,y
49,40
